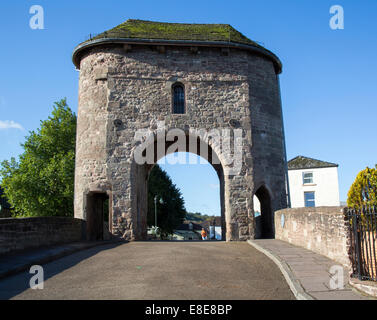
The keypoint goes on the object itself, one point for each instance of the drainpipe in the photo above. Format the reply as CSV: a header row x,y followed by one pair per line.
x,y
155,211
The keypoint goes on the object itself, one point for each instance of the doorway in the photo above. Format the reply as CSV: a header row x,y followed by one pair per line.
x,y
263,215
98,216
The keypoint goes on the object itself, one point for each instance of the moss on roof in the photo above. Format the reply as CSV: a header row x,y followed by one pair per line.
x,y
141,29
301,162
167,33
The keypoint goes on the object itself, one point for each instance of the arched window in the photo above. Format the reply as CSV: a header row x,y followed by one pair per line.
x,y
178,98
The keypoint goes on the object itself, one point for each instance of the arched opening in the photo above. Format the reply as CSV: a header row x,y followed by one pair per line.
x,y
97,223
178,98
184,198
141,172
263,215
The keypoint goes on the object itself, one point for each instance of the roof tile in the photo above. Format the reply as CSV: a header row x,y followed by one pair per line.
x,y
301,162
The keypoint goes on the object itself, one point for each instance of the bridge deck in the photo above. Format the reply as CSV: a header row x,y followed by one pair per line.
x,y
157,270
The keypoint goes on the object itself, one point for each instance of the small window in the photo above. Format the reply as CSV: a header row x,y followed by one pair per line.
x,y
309,199
307,177
178,98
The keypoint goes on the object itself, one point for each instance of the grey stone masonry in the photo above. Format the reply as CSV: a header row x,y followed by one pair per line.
x,y
320,229
126,88
24,233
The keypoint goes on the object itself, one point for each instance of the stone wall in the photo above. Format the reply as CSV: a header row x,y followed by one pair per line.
x,y
24,233
321,229
122,91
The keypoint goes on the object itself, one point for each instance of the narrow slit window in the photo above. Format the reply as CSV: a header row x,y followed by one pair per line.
x,y
178,98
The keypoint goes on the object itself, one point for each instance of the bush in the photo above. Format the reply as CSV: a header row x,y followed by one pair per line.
x,y
363,191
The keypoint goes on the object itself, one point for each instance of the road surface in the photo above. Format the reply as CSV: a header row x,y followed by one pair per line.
x,y
157,270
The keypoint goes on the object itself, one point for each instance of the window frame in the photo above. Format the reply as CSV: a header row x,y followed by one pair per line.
x,y
303,177
173,95
309,200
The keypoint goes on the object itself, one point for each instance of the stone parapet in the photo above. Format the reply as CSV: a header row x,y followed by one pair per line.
x,y
321,229
24,233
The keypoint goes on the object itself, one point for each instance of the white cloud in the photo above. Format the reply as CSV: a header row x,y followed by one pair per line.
x,y
214,186
10,124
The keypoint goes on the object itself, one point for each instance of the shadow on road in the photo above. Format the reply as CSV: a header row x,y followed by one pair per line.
x,y
14,285
183,241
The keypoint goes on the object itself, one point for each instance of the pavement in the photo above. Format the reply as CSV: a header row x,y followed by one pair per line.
x,y
309,274
157,270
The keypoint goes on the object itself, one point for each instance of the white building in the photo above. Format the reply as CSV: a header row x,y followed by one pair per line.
x,y
313,183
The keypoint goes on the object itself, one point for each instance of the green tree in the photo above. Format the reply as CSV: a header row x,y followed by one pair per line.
x,y
172,212
41,182
363,191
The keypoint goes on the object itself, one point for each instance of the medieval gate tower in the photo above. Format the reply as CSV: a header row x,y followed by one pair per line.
x,y
141,75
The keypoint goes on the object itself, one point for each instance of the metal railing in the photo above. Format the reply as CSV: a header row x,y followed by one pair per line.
x,y
362,225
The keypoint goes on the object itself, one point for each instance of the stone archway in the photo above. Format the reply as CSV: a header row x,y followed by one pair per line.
x,y
140,174
264,226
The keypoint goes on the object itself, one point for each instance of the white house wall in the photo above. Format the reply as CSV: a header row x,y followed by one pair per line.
x,y
325,185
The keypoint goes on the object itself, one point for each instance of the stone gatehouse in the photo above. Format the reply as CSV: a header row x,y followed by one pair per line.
x,y
189,77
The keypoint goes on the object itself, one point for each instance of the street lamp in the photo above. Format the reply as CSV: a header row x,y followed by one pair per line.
x,y
155,209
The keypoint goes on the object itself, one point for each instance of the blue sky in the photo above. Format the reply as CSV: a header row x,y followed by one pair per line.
x,y
198,183
329,84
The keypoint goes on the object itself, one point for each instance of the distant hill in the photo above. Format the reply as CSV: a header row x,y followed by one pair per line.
x,y
198,217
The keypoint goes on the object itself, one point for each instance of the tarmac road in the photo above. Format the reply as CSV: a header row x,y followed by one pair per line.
x,y
157,270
